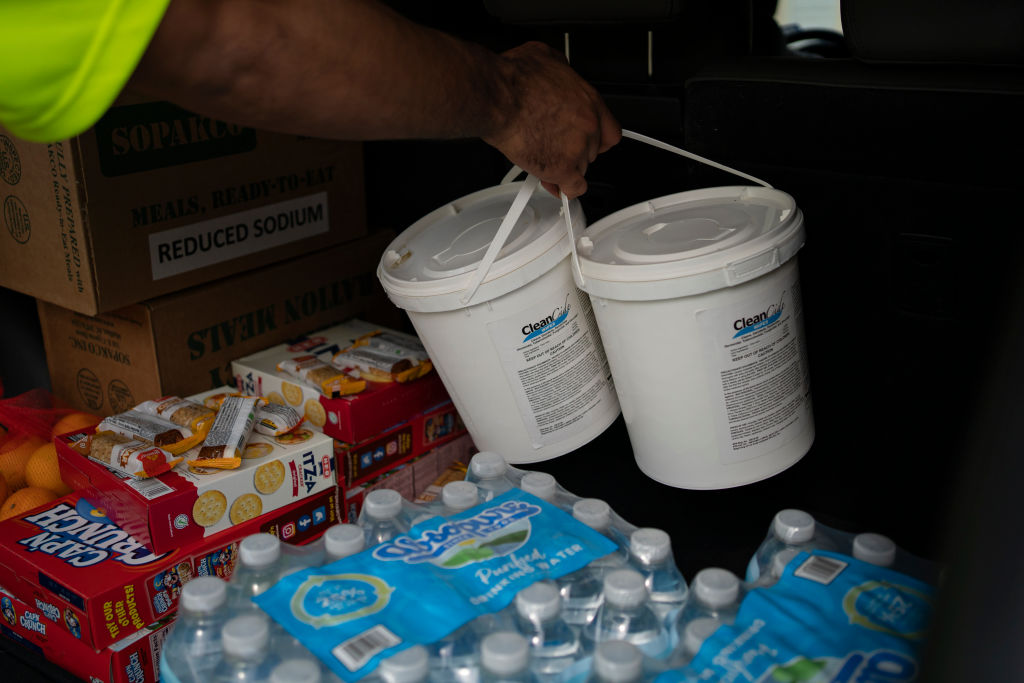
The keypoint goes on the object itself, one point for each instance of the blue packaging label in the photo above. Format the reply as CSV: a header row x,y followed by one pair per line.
x,y
421,586
829,619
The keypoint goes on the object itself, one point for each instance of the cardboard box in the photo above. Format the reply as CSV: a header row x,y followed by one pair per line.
x,y
185,506
90,577
412,478
363,461
154,199
184,343
134,659
350,418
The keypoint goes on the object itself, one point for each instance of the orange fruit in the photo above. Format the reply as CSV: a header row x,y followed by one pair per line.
x,y
3,434
24,500
73,422
42,470
3,490
14,458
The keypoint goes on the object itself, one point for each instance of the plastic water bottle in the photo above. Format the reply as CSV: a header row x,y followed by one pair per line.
x,y
582,590
342,540
457,496
617,661
411,665
791,529
540,484
597,514
780,561
487,470
382,516
297,670
247,658
875,549
627,615
454,658
193,647
505,658
259,567
651,553
554,645
694,634
716,593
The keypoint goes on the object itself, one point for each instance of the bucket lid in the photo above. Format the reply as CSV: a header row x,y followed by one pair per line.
x,y
430,266
689,243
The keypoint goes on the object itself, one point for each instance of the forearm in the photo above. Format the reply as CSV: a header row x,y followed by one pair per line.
x,y
347,69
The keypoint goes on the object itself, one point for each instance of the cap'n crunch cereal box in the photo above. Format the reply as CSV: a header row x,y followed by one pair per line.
x,y
90,578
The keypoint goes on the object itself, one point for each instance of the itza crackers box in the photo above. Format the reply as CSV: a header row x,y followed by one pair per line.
x,y
134,659
352,418
184,505
92,579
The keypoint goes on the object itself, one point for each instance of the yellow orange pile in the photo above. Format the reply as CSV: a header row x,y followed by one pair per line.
x,y
29,473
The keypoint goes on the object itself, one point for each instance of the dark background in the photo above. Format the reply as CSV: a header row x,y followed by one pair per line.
x,y
901,145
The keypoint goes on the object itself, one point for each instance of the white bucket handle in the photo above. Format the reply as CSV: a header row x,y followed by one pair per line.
x,y
526,191
507,223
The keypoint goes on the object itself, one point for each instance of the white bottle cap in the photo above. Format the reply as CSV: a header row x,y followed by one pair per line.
x,y
716,587
383,503
297,670
593,512
697,631
649,546
460,495
505,653
259,550
487,465
245,636
618,661
781,559
408,666
539,602
342,540
540,484
874,548
204,594
625,588
793,526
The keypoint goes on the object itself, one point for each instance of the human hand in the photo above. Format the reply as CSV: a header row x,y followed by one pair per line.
x,y
556,124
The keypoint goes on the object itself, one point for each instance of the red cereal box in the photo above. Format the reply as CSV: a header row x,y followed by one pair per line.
x,y
91,578
134,659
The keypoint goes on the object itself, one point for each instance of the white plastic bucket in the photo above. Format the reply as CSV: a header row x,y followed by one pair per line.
x,y
697,297
513,339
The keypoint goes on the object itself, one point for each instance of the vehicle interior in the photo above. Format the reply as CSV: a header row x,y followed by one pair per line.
x,y
896,125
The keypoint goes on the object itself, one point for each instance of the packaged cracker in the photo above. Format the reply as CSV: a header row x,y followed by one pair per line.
x,y
328,380
181,412
273,419
125,455
231,429
155,430
385,357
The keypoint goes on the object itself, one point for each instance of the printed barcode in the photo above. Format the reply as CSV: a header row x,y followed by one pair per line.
x,y
150,488
355,652
820,569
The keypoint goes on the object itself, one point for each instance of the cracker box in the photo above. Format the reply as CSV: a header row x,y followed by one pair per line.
x,y
89,577
134,659
352,418
184,506
357,463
